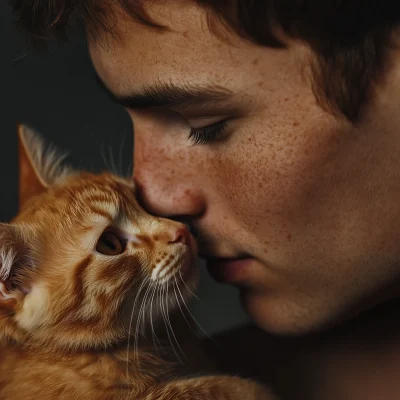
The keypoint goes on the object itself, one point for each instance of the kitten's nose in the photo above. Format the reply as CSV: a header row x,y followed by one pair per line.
x,y
170,233
180,235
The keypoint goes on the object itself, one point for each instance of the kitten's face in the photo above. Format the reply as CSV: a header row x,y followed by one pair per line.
x,y
99,265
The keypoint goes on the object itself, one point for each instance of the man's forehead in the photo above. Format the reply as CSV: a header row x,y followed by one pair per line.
x,y
140,56
141,60
154,18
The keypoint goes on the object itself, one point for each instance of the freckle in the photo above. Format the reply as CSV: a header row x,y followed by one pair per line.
x,y
257,223
255,61
289,237
285,99
266,242
225,217
260,185
260,84
296,123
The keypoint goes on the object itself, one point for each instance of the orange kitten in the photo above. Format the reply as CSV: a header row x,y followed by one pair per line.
x,y
82,267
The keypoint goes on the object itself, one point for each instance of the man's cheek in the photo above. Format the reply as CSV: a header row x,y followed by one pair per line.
x,y
257,191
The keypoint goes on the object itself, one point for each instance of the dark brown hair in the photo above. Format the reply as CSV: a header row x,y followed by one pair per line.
x,y
349,37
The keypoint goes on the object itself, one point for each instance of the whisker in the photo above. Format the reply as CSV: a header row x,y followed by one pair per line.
x,y
164,314
121,146
153,333
129,170
65,188
142,310
194,319
101,147
163,311
129,331
23,54
112,161
187,287
182,311
169,322
137,326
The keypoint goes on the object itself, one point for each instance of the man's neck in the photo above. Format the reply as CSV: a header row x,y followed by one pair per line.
x,y
358,360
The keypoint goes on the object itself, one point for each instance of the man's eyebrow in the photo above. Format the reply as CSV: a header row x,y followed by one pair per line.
x,y
173,95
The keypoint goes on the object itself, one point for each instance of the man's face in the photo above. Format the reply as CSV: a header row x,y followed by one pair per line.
x,y
295,206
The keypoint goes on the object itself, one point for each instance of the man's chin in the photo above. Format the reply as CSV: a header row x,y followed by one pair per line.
x,y
280,317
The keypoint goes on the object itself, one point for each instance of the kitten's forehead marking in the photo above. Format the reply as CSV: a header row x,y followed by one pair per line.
x,y
98,201
104,195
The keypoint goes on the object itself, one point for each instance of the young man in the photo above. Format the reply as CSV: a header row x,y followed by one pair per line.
x,y
271,128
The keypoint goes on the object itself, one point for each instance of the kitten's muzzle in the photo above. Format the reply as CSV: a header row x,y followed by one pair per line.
x,y
177,233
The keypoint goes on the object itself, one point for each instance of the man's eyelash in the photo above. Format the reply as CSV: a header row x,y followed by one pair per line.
x,y
207,134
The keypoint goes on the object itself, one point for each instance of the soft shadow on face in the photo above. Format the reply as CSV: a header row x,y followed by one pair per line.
x,y
301,194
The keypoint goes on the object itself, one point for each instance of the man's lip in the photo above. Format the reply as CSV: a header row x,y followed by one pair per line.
x,y
228,270
213,257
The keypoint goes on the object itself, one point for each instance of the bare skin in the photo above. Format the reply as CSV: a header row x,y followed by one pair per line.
x,y
309,200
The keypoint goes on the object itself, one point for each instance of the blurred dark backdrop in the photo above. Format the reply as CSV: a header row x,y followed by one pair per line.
x,y
56,92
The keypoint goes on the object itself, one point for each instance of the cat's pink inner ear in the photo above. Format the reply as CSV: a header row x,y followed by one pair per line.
x,y
30,183
8,300
5,294
14,255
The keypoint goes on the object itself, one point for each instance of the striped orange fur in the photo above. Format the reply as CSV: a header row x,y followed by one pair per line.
x,y
84,272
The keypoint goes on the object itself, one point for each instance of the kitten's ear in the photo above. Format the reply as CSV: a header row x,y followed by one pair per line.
x,y
14,256
38,168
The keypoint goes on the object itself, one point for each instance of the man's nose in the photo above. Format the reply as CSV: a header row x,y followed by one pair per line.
x,y
166,185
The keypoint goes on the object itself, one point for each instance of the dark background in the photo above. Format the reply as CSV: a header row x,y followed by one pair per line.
x,y
55,91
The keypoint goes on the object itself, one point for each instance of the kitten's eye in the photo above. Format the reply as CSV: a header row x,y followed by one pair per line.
x,y
110,244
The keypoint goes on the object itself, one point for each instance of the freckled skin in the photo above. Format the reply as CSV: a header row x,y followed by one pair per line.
x,y
312,198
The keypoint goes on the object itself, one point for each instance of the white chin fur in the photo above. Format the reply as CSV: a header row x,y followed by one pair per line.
x,y
161,271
